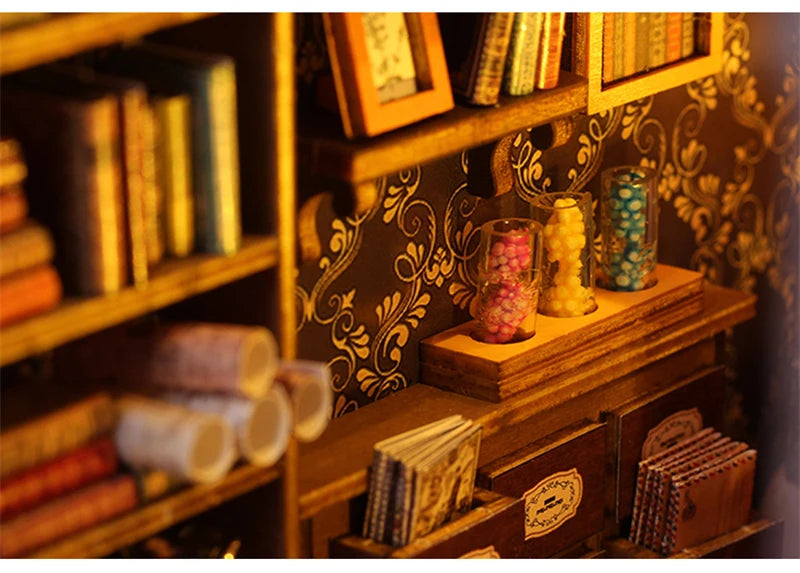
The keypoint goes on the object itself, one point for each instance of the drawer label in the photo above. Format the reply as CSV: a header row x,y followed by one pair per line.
x,y
672,430
552,502
485,553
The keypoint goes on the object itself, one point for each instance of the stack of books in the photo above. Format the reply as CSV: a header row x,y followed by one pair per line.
x,y
132,158
58,475
420,479
502,52
29,283
696,490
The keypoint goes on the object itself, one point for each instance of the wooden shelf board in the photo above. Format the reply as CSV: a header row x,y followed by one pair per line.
x,y
357,161
104,539
334,467
63,35
171,282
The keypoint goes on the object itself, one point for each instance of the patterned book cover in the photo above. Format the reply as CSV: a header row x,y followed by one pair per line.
x,y
687,34
629,45
13,208
674,36
579,33
173,169
642,62
80,467
550,50
66,515
658,39
46,437
28,293
608,47
25,248
523,54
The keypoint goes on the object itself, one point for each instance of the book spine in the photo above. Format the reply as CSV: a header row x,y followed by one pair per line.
x,y
28,293
152,193
70,514
629,49
13,208
674,27
523,53
642,42
658,39
702,30
489,76
13,169
174,157
619,45
372,495
608,47
131,107
580,45
54,434
26,248
67,473
550,50
687,36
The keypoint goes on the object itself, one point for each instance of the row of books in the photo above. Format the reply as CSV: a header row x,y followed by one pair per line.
x,y
29,283
502,52
132,157
202,397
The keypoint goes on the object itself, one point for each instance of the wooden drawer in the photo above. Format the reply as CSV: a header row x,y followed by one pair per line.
x,y
646,425
560,479
493,529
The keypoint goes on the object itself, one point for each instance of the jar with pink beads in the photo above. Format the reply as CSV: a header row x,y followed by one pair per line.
x,y
508,280
568,257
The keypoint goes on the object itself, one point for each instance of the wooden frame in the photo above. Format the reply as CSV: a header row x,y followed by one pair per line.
x,y
361,110
602,97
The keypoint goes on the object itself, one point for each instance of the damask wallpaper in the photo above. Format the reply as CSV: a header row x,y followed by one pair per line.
x,y
727,149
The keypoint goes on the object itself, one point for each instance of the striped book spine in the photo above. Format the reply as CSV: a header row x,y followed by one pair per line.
x,y
674,36
642,61
608,47
658,39
580,45
550,50
494,50
523,54
619,45
629,45
152,195
687,36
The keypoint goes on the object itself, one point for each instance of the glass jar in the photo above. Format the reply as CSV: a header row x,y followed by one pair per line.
x,y
567,258
629,225
508,280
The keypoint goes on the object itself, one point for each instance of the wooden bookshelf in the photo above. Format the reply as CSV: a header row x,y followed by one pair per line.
x,y
171,282
104,539
323,143
62,35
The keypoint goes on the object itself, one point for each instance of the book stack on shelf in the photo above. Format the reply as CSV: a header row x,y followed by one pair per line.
x,y
141,146
29,284
420,479
502,52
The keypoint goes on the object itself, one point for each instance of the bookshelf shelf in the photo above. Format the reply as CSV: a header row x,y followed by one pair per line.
x,y
322,141
171,282
62,35
143,522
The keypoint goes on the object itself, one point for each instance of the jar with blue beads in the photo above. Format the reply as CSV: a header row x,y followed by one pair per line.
x,y
629,227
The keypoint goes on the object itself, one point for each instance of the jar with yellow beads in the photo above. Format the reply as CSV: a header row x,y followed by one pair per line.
x,y
567,286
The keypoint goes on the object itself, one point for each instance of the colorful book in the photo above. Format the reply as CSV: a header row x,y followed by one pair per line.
x,y
629,45
12,163
80,467
56,433
549,67
71,138
66,515
210,81
674,36
687,35
608,47
523,54
29,293
173,169
658,39
476,46
27,247
13,208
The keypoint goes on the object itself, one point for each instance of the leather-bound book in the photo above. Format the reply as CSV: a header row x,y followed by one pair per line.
x,y
28,293
523,54
27,247
476,46
71,141
13,208
73,470
550,50
66,515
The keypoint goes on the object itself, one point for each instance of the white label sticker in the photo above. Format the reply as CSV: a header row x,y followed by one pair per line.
x,y
552,502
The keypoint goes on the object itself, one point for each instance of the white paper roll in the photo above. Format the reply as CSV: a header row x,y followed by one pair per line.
x,y
262,426
309,386
208,357
155,435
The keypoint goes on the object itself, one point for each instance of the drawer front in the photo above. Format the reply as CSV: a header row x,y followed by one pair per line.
x,y
560,481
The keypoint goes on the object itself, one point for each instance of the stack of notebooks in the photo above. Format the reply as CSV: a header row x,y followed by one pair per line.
x,y
29,283
696,490
132,157
503,51
58,475
420,479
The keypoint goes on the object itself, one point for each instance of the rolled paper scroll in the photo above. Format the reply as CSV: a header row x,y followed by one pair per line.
x,y
154,435
208,357
309,386
262,426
